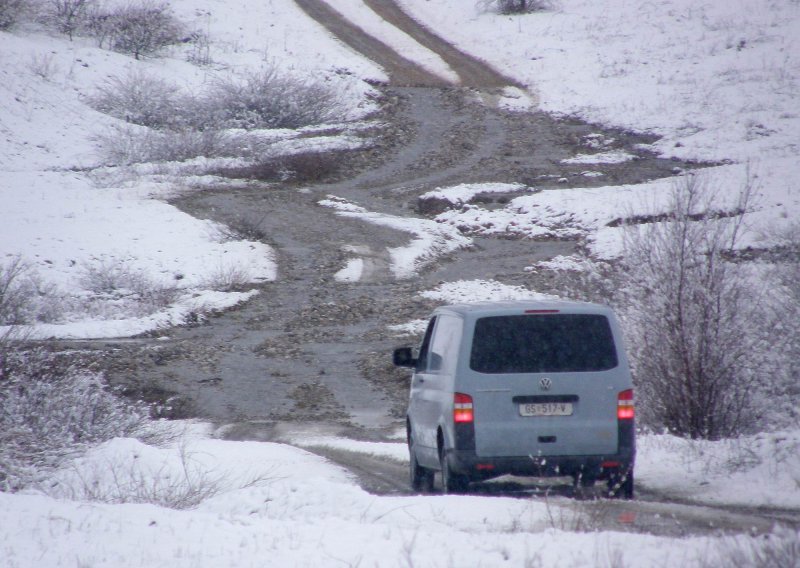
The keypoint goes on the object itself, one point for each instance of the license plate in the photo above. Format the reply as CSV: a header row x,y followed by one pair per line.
x,y
546,409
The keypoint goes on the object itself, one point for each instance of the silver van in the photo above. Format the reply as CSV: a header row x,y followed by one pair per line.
x,y
526,388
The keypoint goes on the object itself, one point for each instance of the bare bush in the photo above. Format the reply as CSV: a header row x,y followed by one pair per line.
x,y
11,12
49,410
69,16
125,146
129,290
507,7
15,299
228,277
118,482
697,322
139,29
183,126
270,99
781,549
141,99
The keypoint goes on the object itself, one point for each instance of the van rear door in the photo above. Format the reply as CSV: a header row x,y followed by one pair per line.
x,y
545,384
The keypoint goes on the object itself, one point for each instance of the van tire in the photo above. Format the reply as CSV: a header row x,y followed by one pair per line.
x,y
421,478
451,482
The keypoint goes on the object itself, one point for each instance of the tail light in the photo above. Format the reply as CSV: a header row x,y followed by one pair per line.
x,y
625,408
462,408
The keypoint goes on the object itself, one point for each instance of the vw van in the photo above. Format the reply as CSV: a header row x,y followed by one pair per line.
x,y
527,388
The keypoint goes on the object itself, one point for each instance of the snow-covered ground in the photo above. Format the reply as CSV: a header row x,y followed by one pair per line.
x,y
718,81
256,504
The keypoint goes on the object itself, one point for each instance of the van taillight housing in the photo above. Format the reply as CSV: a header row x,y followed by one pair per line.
x,y
625,408
462,408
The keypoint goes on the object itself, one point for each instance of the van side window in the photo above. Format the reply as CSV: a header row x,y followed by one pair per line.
x,y
422,359
444,346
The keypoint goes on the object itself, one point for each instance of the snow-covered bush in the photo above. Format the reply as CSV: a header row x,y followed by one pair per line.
x,y
11,11
698,322
24,298
131,292
129,145
69,16
181,126
272,99
141,99
49,410
139,29
781,549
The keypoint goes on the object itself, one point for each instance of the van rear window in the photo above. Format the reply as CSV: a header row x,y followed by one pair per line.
x,y
550,343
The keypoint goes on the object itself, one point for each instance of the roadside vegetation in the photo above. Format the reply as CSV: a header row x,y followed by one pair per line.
x,y
712,325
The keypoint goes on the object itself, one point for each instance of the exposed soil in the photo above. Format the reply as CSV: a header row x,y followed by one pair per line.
x,y
311,348
310,353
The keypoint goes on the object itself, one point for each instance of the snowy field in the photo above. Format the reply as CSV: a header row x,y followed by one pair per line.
x,y
718,81
253,504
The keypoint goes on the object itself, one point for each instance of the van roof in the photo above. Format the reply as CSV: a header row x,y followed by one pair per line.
x,y
510,307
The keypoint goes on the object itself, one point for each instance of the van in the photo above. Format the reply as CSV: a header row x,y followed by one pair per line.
x,y
527,388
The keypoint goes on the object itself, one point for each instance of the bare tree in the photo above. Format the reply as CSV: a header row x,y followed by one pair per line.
x,y
143,29
70,14
696,321
11,12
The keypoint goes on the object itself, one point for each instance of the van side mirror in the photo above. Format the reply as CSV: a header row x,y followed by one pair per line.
x,y
403,358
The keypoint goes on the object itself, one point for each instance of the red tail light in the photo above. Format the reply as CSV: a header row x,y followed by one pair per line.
x,y
462,408
625,408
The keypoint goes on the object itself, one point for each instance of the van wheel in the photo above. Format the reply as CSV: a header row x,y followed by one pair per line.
x,y
452,482
620,485
421,478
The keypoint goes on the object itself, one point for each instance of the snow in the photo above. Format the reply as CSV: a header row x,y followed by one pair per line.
x,y
358,13
465,192
481,291
716,81
273,503
430,241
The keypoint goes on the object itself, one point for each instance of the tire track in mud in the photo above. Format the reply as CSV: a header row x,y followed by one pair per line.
x,y
473,72
401,71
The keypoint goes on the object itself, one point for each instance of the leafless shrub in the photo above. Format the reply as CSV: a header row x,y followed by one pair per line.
x,y
12,11
141,99
69,16
141,29
116,482
49,410
116,282
507,7
126,146
182,126
245,227
781,549
271,99
43,66
696,323
15,300
228,277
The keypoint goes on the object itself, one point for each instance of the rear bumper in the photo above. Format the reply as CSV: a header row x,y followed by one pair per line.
x,y
466,462
464,459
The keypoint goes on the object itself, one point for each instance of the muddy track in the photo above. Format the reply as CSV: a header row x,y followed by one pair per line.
x,y
311,348
401,71
472,72
310,352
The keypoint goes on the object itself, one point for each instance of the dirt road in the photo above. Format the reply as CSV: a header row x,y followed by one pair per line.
x,y
310,350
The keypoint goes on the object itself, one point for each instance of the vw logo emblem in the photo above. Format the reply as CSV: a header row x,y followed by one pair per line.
x,y
545,384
